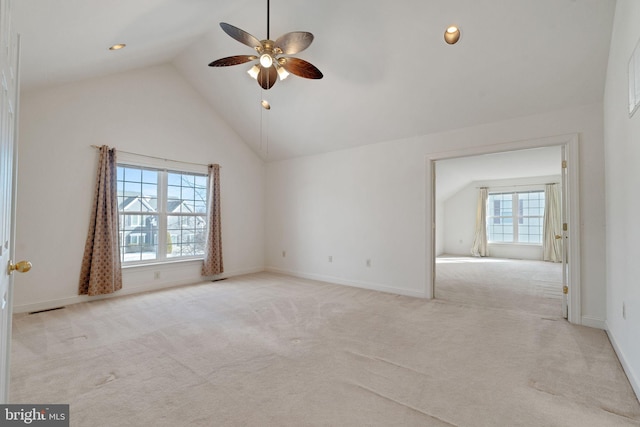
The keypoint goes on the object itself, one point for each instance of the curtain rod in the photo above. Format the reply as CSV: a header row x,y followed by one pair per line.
x,y
517,185
154,157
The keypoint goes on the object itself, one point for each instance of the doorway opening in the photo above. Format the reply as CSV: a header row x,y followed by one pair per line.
x,y
511,274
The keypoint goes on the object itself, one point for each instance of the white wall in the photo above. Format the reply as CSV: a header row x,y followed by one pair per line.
x,y
459,222
622,151
439,236
369,203
150,111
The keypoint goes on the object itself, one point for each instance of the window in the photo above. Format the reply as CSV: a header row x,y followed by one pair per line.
x,y
515,217
162,214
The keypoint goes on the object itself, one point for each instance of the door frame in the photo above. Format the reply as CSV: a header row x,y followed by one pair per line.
x,y
572,240
6,333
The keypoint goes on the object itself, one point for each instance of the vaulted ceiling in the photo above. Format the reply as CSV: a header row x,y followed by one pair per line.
x,y
452,175
388,74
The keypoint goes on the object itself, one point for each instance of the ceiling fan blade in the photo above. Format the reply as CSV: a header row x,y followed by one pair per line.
x,y
300,68
233,60
240,35
267,77
294,42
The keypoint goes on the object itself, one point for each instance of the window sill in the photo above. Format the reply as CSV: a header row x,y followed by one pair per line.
x,y
513,244
155,264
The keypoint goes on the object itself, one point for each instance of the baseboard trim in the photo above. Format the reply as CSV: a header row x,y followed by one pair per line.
x,y
593,322
631,375
346,282
127,290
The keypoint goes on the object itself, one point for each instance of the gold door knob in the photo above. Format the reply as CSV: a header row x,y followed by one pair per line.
x,y
20,267
558,236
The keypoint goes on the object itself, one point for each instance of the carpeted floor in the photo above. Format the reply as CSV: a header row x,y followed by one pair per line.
x,y
520,285
272,350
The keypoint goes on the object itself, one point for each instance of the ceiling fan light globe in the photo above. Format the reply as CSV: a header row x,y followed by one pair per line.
x,y
253,72
282,73
266,60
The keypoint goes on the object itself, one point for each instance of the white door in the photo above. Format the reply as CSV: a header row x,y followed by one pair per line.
x,y
8,123
564,236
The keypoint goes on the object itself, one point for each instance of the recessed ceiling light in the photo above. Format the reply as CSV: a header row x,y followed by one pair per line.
x,y
452,34
265,104
118,46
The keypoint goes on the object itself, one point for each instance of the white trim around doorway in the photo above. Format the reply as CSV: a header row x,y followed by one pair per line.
x,y
570,142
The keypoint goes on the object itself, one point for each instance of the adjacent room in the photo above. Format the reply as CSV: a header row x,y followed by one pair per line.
x,y
503,250
279,213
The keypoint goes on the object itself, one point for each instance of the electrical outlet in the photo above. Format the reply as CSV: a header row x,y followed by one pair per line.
x,y
284,254
624,311
156,275
368,263
330,258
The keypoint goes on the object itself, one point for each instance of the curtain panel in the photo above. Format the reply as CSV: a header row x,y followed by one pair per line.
x,y
552,247
212,264
101,272
479,247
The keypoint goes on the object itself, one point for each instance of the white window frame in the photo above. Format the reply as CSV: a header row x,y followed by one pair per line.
x,y
515,215
163,167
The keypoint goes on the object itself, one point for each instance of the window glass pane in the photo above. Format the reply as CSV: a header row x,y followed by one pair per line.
x,y
504,224
174,178
132,188
150,190
133,174
185,235
173,192
139,194
200,206
134,196
187,180
138,237
201,182
151,203
497,233
188,193
521,207
136,206
188,206
150,176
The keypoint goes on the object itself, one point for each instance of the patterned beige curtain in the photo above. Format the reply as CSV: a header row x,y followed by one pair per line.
x,y
101,272
213,249
479,247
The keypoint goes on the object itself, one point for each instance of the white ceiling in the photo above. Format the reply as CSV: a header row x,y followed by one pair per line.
x,y
388,73
452,175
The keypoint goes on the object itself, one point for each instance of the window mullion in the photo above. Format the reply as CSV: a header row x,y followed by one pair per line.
x,y
162,215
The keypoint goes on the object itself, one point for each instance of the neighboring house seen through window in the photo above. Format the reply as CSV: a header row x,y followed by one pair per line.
x,y
162,214
515,217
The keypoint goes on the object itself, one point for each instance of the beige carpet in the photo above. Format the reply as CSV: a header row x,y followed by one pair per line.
x,y
521,285
271,350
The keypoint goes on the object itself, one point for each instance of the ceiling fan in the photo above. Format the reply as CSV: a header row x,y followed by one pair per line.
x,y
271,64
